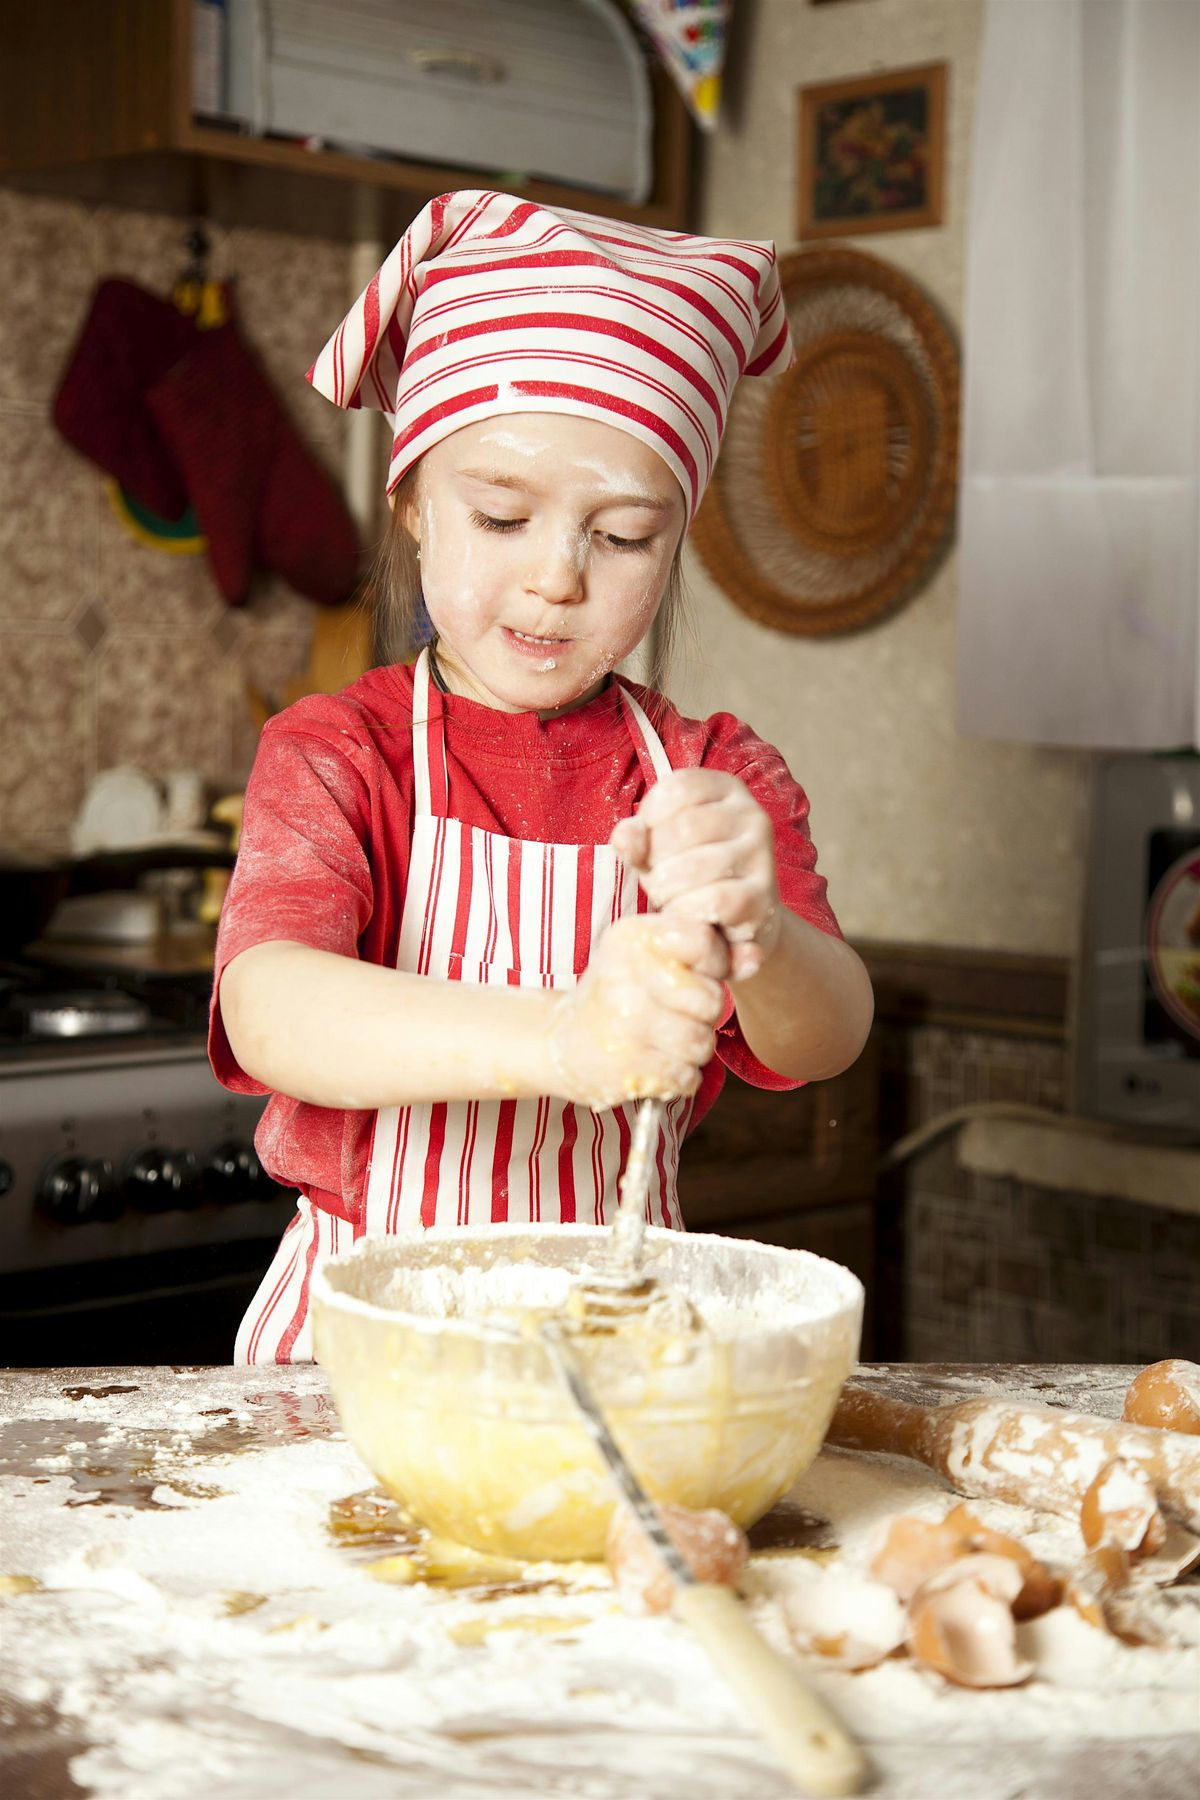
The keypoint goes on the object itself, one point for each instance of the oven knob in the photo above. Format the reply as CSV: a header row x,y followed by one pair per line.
x,y
77,1190
158,1180
232,1171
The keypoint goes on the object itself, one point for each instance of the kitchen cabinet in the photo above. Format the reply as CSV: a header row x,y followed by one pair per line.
x,y
96,100
796,1169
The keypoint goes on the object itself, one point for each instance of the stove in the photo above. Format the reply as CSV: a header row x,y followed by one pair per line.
x,y
43,1004
135,1217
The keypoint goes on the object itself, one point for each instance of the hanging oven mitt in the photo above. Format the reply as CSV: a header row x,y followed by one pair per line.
x,y
260,497
129,340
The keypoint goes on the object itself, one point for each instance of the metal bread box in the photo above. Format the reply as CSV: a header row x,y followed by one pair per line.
x,y
551,88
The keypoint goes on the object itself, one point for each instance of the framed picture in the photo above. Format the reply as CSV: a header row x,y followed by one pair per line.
x,y
872,152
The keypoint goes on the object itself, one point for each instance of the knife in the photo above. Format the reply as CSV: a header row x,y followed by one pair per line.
x,y
812,1745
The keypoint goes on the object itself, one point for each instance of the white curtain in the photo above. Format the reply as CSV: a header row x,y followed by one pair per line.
x,y
1080,524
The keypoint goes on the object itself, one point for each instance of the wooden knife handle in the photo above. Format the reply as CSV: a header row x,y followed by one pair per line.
x,y
809,1741
1027,1454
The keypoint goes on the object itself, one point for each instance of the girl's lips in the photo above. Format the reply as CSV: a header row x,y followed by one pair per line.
x,y
538,647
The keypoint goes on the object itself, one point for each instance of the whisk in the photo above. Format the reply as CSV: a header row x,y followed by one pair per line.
x,y
618,1289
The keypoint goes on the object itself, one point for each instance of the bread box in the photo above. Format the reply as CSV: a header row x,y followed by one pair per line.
x,y
556,89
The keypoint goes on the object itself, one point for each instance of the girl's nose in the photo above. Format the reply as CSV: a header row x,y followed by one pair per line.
x,y
557,573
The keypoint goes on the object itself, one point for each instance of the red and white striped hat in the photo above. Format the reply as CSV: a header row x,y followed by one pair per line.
x,y
489,304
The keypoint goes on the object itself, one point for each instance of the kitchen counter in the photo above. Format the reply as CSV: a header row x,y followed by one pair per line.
x,y
180,1619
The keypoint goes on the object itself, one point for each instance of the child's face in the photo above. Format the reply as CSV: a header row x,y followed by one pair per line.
x,y
546,542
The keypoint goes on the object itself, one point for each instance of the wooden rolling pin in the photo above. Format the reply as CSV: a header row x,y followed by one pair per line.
x,y
1030,1455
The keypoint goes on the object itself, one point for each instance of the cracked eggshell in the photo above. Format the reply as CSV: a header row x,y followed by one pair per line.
x,y
1166,1396
908,1551
1129,1616
961,1623
905,1551
1121,1508
1178,1554
710,1543
847,1620
1040,1590
1101,1593
1103,1572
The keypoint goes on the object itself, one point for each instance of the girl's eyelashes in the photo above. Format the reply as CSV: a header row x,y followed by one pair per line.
x,y
620,543
485,522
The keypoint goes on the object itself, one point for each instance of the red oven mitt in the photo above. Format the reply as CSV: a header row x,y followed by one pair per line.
x,y
260,497
129,340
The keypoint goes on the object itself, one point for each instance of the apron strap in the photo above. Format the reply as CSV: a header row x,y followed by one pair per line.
x,y
431,775
430,769
644,732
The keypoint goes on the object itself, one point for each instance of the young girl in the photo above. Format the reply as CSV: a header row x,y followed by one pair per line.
x,y
484,903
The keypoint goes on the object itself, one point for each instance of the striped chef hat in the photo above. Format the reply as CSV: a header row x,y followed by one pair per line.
x,y
489,304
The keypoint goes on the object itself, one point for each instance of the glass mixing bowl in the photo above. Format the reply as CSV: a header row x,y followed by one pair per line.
x,y
431,1349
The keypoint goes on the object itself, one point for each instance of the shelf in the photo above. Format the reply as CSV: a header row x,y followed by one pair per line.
x,y
118,130
413,178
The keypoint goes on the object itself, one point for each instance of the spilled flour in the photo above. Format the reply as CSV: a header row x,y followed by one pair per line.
x,y
213,1638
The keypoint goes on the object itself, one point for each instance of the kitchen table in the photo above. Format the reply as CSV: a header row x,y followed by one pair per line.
x,y
189,1607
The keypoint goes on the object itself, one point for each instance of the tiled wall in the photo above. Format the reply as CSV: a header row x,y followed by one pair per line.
x,y
996,1270
110,651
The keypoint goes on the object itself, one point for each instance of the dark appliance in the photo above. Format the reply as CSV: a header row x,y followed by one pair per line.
x,y
1137,1003
135,1217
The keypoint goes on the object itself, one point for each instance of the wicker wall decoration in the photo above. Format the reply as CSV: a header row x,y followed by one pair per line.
x,y
833,497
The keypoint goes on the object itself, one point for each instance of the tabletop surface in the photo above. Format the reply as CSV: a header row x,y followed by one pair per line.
x,y
179,1617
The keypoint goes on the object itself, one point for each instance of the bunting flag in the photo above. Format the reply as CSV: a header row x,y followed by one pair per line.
x,y
689,36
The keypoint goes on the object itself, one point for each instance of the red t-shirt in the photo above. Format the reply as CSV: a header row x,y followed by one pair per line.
x,y
325,848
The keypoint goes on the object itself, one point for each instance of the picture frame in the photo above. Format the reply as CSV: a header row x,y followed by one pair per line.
x,y
872,153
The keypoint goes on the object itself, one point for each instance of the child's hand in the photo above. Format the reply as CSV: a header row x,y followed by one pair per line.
x,y
642,1020
705,849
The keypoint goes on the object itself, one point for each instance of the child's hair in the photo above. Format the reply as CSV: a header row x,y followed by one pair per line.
x,y
394,592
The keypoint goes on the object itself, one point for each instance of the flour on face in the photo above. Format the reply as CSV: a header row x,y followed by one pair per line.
x,y
546,546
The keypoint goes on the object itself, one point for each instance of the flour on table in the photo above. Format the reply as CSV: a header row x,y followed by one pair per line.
x,y
223,1646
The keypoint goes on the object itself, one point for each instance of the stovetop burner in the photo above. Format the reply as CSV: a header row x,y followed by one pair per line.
x,y
43,1006
107,1013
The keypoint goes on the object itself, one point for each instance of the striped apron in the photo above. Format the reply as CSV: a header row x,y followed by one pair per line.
x,y
497,911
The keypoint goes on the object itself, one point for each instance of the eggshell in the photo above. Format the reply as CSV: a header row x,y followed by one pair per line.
x,y
1180,1553
962,1625
1167,1396
845,1619
1099,1591
908,1551
999,1576
1121,1508
1129,1617
709,1542
1039,1591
